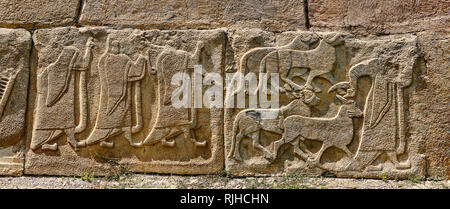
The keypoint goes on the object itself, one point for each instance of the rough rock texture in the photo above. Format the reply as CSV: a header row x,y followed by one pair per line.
x,y
102,100
212,182
379,17
38,13
344,107
149,14
430,101
15,47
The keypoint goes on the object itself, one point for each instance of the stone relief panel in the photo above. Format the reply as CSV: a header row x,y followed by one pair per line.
x,y
101,101
343,106
14,71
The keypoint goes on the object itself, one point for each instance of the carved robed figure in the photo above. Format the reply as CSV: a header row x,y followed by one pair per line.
x,y
55,112
118,72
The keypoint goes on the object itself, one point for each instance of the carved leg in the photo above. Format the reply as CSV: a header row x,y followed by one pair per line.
x,y
276,147
237,154
70,133
347,151
190,134
320,153
257,145
298,151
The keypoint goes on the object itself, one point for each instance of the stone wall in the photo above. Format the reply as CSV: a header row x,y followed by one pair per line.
x,y
85,86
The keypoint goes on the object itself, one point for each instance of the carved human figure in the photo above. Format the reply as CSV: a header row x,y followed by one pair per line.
x,y
55,112
172,121
117,73
383,125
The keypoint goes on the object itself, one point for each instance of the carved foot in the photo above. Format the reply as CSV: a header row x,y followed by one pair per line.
x,y
81,144
107,144
405,165
197,143
51,147
166,143
374,168
136,144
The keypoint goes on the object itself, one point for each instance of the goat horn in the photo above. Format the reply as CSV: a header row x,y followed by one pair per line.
x,y
340,85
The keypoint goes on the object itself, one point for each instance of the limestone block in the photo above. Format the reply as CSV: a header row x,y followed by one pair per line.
x,y
379,17
14,71
344,106
430,102
199,14
101,101
37,13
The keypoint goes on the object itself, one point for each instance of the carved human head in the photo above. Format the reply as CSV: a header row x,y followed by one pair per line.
x,y
115,47
309,97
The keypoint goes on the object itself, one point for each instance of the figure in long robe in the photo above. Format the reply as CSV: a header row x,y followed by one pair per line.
x,y
118,73
383,123
55,112
171,121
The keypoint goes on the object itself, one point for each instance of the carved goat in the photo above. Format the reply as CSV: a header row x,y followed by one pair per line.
x,y
251,122
336,131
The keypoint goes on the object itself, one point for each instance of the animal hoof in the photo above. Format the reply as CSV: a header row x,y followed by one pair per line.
x,y
237,158
269,156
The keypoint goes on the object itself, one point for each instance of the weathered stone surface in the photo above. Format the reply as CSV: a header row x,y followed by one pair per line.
x,y
14,71
429,112
149,14
102,102
381,17
344,107
38,13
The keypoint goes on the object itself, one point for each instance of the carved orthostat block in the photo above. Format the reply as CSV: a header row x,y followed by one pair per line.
x,y
14,71
343,106
101,101
38,13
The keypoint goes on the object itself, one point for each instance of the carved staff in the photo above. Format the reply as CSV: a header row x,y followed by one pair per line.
x,y
82,90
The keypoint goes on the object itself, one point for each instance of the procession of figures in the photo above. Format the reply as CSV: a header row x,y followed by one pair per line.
x,y
122,67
